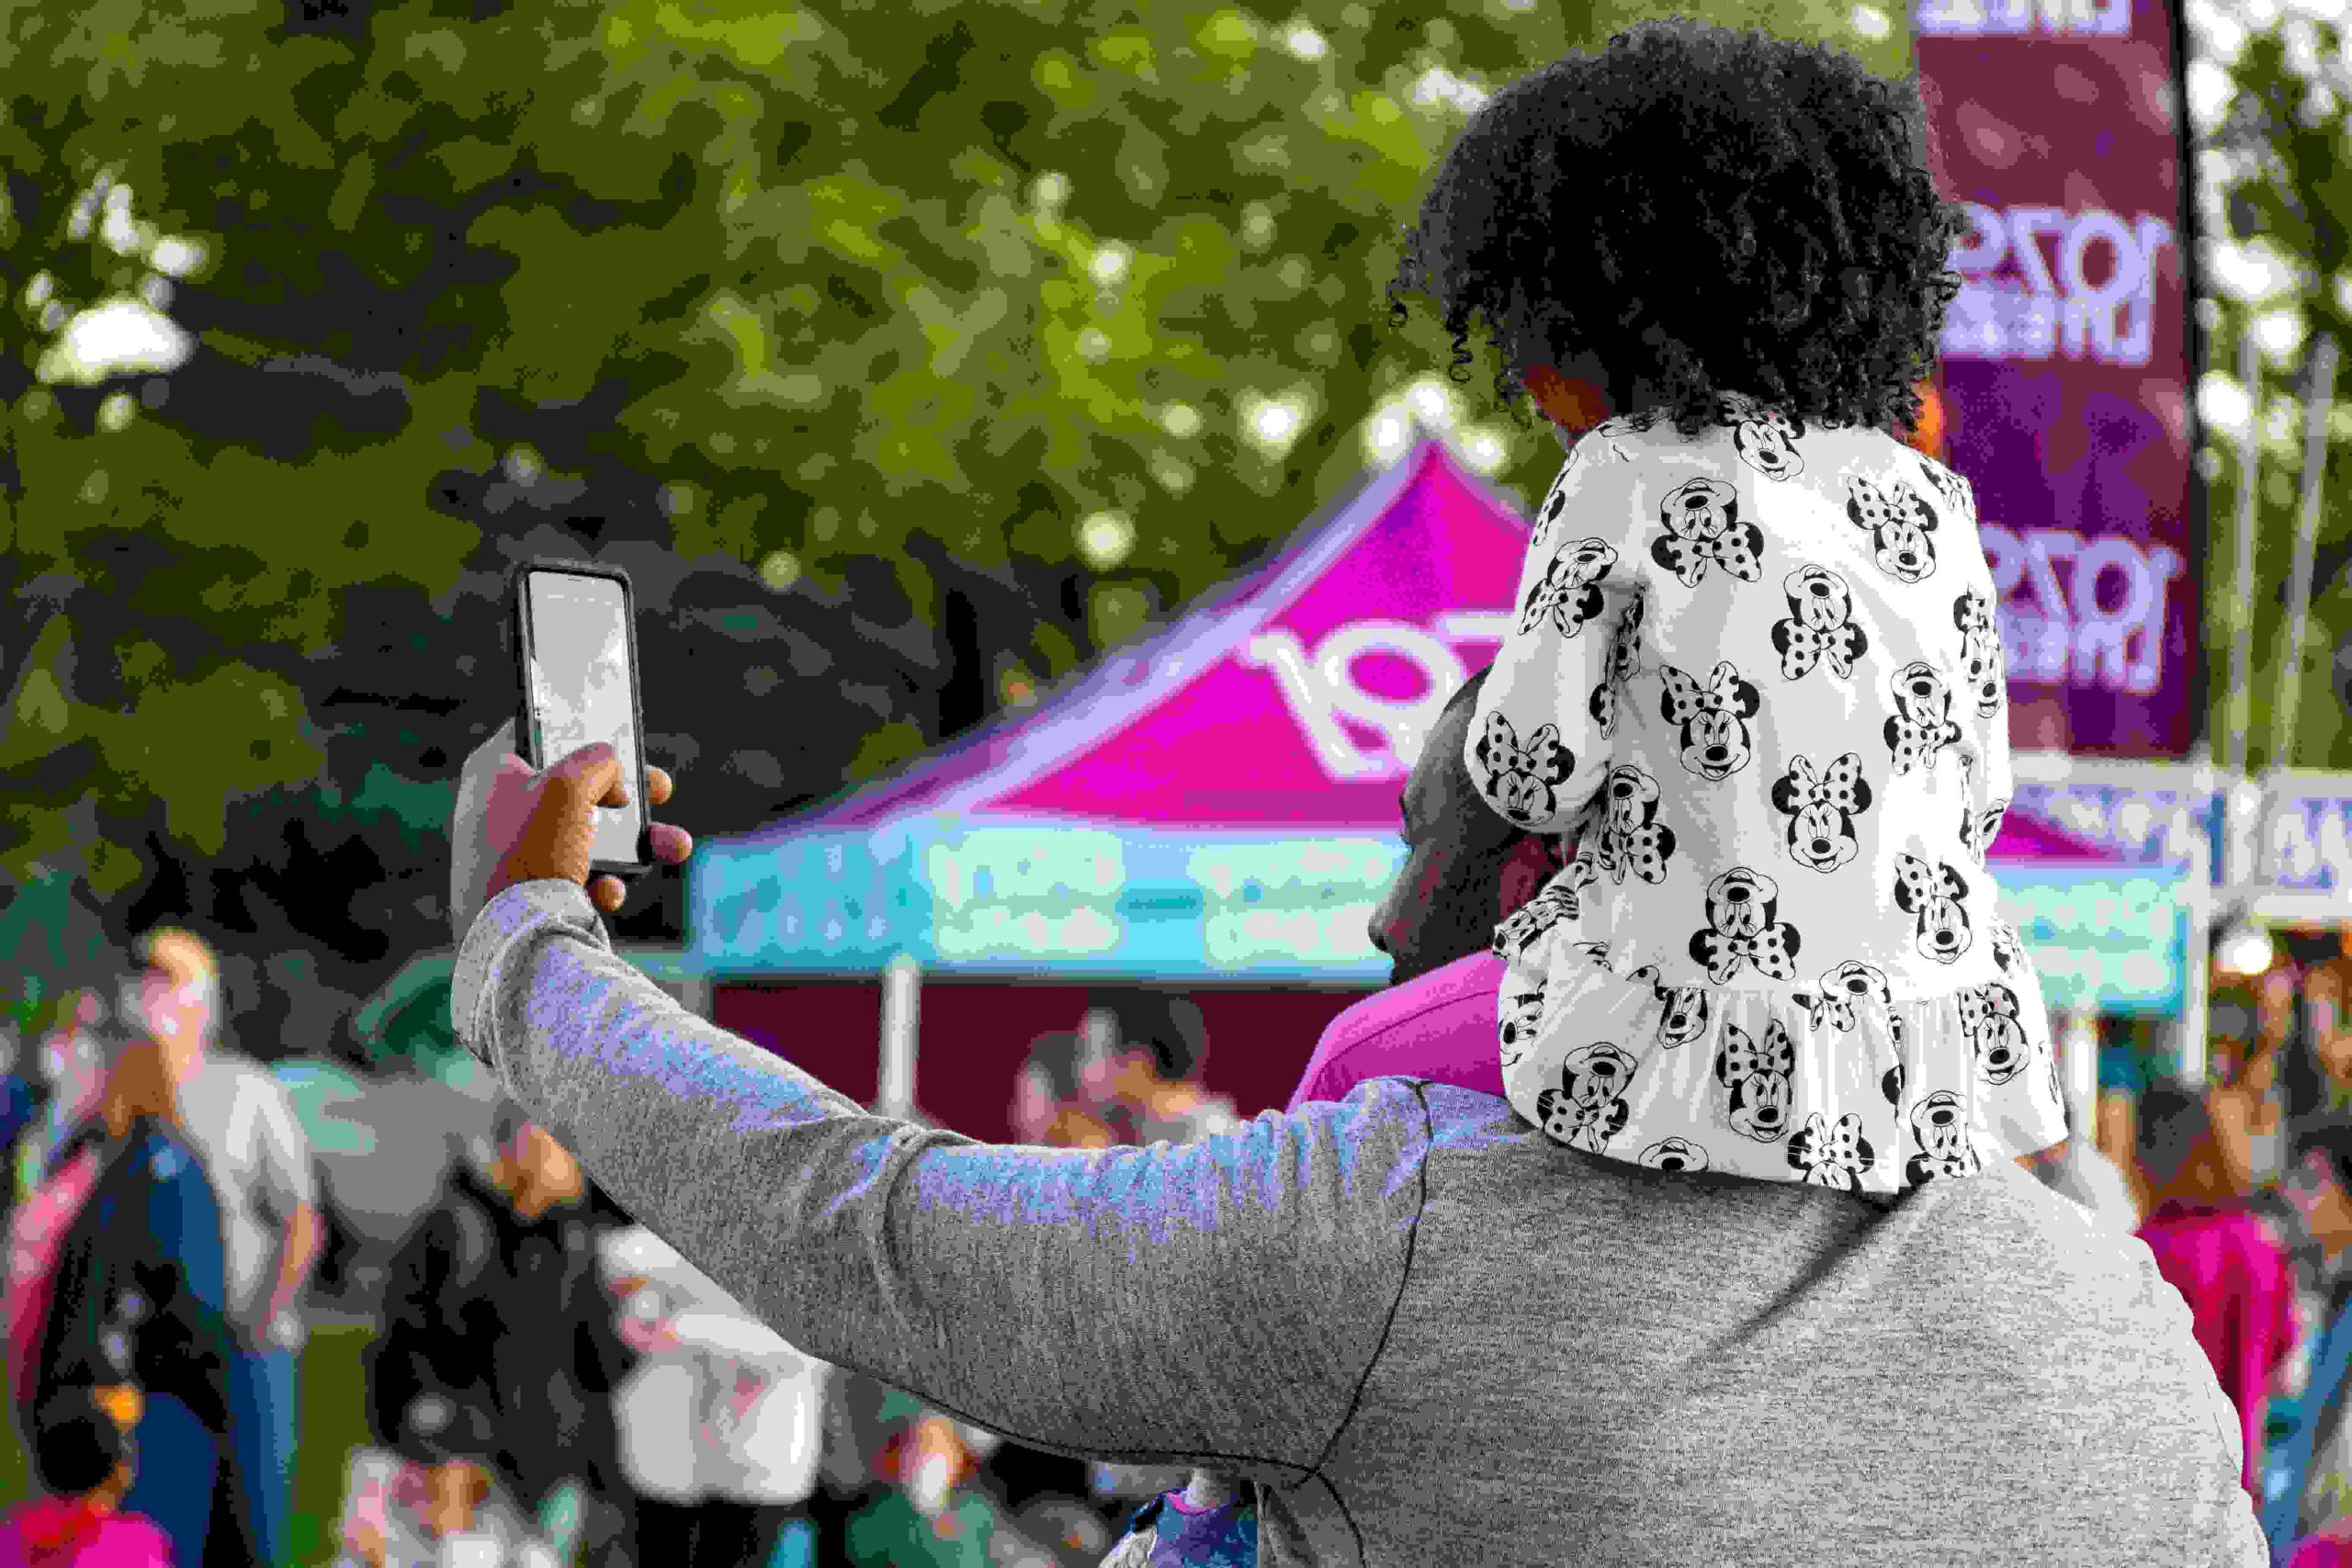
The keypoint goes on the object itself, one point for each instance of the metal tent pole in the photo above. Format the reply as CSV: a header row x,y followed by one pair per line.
x,y
2197,980
902,1033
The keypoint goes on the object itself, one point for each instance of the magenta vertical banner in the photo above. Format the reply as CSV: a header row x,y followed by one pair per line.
x,y
2066,357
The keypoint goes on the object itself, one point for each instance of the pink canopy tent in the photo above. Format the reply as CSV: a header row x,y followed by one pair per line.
x,y
1273,725
1291,699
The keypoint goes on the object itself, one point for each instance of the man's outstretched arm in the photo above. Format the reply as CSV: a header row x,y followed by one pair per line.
x,y
1216,1302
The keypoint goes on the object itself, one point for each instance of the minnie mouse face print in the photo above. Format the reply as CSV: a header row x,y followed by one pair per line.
x,y
1742,928
1939,1132
1524,778
1704,529
1922,725
1821,805
1819,628
1898,521
1995,1033
1850,982
1674,1153
1714,718
1982,669
1935,898
1567,592
1756,1082
1765,440
1589,1108
1630,837
1832,1156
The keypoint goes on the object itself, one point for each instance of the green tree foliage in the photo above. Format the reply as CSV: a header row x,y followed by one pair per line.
x,y
2287,186
835,323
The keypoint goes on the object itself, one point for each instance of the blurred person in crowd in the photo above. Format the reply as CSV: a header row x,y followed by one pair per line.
x,y
2250,1130
720,1420
2316,1067
2229,1267
20,1103
499,1350
243,1124
71,1068
2307,1479
138,1290
1142,1055
85,1457
1049,1105
1410,1319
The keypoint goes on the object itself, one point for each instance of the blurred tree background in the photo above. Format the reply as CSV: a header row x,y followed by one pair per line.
x,y
2269,103
906,355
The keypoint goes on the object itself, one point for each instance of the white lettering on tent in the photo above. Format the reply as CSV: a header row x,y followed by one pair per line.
x,y
1320,688
1013,892
1304,902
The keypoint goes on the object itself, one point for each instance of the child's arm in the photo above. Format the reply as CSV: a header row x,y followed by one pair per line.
x,y
1539,743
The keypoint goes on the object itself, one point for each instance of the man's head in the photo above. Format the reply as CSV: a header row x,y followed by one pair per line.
x,y
2176,1143
179,995
1465,868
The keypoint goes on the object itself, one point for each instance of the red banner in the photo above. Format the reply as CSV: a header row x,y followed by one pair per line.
x,y
2065,376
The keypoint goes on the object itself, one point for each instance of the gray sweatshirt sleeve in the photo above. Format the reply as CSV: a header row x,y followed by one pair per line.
x,y
1215,1303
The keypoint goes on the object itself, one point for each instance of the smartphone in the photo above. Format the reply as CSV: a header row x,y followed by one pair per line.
x,y
575,632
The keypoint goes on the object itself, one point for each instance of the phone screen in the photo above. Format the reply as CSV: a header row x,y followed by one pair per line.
x,y
581,690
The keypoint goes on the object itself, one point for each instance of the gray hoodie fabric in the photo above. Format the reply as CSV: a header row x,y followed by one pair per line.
x,y
1424,1331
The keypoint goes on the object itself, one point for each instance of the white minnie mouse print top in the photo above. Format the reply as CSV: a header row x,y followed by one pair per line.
x,y
1755,675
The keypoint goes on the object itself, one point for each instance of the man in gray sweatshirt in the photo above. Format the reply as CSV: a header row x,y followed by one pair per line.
x,y
1427,1333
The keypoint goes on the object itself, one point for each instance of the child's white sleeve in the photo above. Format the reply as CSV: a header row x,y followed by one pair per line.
x,y
1540,736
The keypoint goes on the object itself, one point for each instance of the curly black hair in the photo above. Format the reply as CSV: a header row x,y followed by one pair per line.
x,y
1704,212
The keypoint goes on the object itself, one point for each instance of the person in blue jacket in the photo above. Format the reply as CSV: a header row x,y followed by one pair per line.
x,y
139,1287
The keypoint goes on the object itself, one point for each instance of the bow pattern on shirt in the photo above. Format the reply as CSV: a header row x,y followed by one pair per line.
x,y
1741,928
1523,779
1716,742
1832,1156
1899,521
1701,521
1568,590
1935,897
1922,725
1756,1104
1852,981
1819,626
1821,805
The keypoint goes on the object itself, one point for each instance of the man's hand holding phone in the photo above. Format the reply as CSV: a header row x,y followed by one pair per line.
x,y
514,824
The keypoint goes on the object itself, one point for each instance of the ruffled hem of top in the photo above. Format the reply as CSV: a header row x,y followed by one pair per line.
x,y
1866,1093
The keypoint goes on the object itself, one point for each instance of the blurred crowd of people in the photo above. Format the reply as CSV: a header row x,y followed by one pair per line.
x,y
545,1382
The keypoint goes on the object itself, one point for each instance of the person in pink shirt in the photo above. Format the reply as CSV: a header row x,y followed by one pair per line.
x,y
83,1455
1466,871
2231,1268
